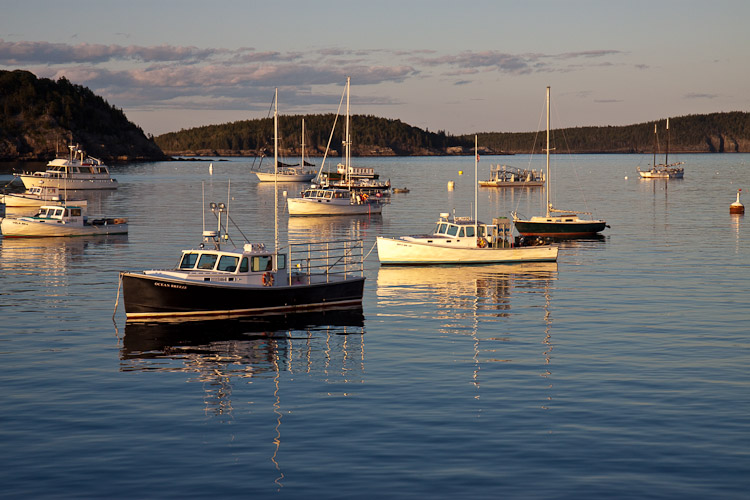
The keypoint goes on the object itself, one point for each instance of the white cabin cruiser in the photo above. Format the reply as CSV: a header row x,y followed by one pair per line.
x,y
76,172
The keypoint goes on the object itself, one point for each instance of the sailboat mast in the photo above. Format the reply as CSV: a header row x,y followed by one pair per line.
x,y
303,146
654,145
548,177
476,183
348,151
666,156
276,173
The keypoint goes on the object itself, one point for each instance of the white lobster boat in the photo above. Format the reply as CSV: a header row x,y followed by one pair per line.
x,y
463,240
61,220
37,196
76,172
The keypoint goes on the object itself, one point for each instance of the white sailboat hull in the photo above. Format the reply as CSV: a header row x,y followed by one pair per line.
x,y
399,251
270,177
313,206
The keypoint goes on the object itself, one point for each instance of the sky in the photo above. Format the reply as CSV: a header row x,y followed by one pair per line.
x,y
456,66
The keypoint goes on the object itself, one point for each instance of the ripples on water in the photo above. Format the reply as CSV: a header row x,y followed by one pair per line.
x,y
620,371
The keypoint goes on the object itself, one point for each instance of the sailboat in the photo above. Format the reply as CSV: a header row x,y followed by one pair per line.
x,y
557,223
664,170
463,240
290,173
337,200
214,282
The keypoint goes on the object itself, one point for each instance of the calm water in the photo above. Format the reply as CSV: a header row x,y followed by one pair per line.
x,y
621,371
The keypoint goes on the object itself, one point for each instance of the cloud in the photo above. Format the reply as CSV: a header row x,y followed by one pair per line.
x,y
23,53
696,95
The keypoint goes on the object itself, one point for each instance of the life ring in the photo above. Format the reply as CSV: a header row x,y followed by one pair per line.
x,y
267,279
481,242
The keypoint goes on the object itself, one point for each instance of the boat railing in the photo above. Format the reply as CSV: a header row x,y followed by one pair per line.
x,y
331,260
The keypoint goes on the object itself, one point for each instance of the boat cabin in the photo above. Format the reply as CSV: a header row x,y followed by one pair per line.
x,y
326,194
464,231
62,168
250,265
60,213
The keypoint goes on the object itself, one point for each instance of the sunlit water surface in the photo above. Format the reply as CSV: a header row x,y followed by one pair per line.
x,y
620,371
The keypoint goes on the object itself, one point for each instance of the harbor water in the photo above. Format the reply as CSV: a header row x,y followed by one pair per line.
x,y
621,371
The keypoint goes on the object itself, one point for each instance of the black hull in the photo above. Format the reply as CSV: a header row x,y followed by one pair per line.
x,y
153,298
559,230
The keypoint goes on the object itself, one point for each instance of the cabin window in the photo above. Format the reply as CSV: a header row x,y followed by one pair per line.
x,y
207,261
461,233
481,231
244,265
75,212
470,231
262,263
59,212
452,230
188,260
329,195
228,263
442,228
281,261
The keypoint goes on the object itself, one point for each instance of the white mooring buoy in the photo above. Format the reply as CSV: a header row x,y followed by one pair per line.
x,y
737,207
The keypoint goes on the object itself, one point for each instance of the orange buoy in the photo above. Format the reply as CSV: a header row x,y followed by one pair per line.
x,y
737,207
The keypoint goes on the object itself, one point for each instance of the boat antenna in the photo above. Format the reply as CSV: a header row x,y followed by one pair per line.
x,y
275,174
226,231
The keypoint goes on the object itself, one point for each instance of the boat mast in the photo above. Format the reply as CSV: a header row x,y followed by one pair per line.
x,y
347,139
276,174
476,183
303,147
654,144
666,156
548,177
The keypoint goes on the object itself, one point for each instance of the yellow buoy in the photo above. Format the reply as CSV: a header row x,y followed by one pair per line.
x,y
460,172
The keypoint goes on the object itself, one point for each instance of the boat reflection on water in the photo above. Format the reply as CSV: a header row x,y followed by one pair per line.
x,y
463,290
475,302
321,228
219,350
268,351
50,258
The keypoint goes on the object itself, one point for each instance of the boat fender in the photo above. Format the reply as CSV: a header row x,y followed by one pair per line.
x,y
267,279
481,242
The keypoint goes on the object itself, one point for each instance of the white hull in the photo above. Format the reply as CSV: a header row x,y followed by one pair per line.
x,y
19,228
73,184
660,174
312,206
24,200
400,251
270,177
511,184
